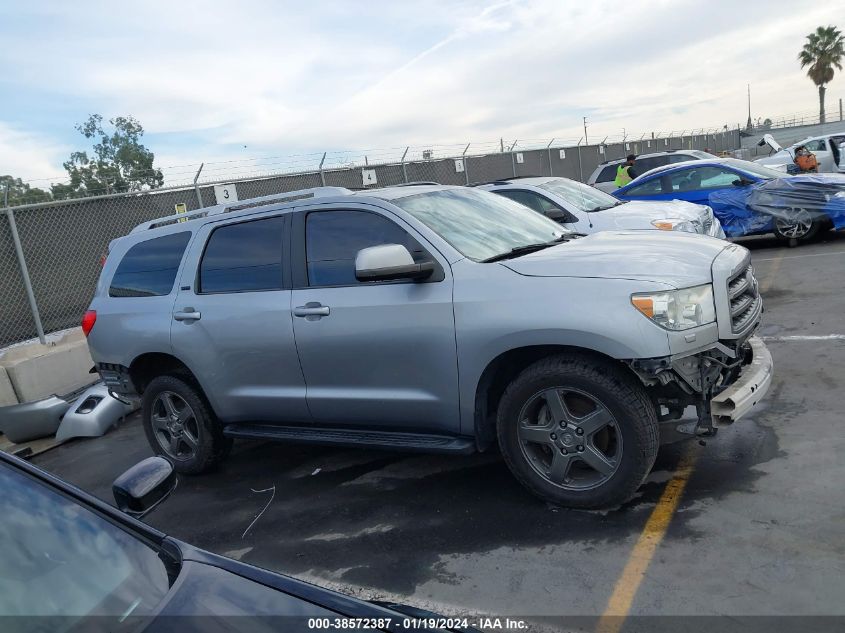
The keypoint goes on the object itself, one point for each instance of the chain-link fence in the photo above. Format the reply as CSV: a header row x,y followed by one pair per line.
x,y
59,245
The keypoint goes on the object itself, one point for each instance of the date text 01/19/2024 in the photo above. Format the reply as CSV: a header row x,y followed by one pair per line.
x,y
433,623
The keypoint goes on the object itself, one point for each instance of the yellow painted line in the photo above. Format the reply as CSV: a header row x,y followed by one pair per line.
x,y
770,279
619,604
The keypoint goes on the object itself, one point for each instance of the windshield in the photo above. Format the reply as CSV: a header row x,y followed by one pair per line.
x,y
754,169
60,559
479,224
584,197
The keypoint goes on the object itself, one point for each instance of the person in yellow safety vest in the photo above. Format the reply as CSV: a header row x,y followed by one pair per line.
x,y
625,172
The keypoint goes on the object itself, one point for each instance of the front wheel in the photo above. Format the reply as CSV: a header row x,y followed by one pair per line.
x,y
576,431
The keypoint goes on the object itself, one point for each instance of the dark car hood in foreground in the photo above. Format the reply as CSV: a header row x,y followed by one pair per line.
x,y
671,257
218,594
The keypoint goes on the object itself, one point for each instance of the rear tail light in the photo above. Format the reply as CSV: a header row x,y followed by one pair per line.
x,y
88,321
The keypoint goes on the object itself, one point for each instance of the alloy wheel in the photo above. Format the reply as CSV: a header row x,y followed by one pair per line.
x,y
570,438
175,426
796,225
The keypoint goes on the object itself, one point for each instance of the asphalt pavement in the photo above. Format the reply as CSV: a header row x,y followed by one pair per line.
x,y
753,524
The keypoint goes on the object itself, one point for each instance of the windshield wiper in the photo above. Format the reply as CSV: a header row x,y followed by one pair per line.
x,y
524,250
607,206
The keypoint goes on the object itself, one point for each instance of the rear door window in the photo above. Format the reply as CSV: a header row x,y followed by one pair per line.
x,y
642,165
149,268
243,257
652,187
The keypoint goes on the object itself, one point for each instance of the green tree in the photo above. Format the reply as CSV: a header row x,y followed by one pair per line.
x,y
823,51
20,192
119,161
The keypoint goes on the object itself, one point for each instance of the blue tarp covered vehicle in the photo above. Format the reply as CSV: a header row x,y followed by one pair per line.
x,y
747,198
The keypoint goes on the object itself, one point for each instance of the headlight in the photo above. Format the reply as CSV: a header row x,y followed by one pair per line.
x,y
678,309
674,224
839,194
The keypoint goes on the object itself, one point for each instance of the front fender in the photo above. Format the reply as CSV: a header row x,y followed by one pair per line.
x,y
591,314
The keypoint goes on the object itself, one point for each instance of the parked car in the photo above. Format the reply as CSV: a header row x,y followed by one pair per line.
x,y
74,563
584,209
828,150
605,174
427,318
748,198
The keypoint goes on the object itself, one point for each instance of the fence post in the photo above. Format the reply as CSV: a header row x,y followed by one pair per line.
x,y
513,158
404,169
464,161
840,109
27,284
322,175
580,168
549,150
196,187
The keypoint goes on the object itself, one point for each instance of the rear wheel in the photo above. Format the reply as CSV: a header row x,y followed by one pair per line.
x,y
796,225
181,427
577,431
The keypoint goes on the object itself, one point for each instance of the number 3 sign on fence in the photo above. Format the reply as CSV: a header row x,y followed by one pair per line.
x,y
225,194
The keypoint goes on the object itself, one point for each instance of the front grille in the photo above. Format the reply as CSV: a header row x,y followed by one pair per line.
x,y
744,299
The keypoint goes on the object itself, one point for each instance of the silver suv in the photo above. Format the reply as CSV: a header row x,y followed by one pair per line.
x,y
427,318
605,174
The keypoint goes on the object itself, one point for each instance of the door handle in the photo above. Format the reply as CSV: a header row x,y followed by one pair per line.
x,y
312,309
188,314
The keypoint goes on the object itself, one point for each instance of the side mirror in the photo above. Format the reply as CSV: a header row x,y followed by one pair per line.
x,y
144,486
388,262
740,182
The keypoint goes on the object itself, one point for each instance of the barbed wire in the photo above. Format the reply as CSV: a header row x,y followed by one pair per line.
x,y
283,164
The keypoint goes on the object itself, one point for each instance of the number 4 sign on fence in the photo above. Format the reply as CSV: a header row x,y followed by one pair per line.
x,y
368,177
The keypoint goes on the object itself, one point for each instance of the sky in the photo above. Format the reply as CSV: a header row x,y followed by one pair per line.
x,y
233,83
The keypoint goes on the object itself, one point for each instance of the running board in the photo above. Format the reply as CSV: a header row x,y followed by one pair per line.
x,y
388,440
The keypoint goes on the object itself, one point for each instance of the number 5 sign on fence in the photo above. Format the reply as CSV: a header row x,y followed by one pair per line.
x,y
224,194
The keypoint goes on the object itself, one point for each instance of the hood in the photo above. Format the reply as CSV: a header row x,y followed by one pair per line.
x,y
769,140
671,257
639,213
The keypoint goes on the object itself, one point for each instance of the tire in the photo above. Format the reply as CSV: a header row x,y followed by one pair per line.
x,y
181,427
797,226
601,443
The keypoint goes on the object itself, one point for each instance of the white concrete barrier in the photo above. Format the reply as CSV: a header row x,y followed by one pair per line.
x,y
7,393
37,371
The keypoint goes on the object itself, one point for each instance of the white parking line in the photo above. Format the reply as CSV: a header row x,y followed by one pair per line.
x,y
807,337
771,259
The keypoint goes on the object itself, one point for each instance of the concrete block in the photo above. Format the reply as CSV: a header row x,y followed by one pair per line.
x,y
37,371
7,394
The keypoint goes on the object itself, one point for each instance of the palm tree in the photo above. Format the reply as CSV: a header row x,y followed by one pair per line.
x,y
823,50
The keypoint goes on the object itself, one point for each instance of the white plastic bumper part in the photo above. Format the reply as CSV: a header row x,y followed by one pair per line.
x,y
748,390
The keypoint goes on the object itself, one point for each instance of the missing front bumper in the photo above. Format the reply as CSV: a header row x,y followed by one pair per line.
x,y
748,390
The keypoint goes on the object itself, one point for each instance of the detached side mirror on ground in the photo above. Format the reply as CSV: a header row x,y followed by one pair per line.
x,y
388,262
144,486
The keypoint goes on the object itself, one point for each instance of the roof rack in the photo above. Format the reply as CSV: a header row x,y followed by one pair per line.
x,y
289,196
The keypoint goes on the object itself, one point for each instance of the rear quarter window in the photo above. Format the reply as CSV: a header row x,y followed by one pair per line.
x,y
608,173
149,268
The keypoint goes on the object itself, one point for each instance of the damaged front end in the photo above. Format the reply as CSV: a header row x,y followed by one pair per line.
x,y
720,368
723,383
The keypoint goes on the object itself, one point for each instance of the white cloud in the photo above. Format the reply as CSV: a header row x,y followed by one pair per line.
x,y
29,156
288,77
